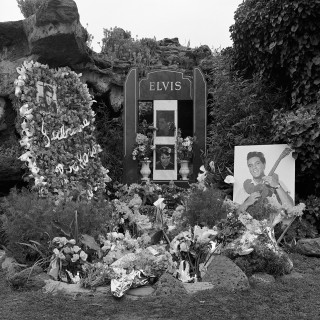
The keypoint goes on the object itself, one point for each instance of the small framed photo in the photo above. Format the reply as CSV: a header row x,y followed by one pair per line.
x,y
165,123
47,95
165,167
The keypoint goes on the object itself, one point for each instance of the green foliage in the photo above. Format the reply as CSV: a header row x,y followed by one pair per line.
x,y
262,260
301,129
30,218
240,112
109,135
279,40
118,44
205,207
29,7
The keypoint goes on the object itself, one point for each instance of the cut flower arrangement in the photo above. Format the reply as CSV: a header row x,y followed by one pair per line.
x,y
143,148
60,149
184,147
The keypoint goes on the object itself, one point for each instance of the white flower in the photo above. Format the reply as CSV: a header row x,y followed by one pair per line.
x,y
83,255
75,258
39,181
61,256
76,249
72,241
229,179
159,203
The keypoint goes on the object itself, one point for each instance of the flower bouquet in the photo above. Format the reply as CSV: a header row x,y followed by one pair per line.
x,y
192,249
184,147
66,261
143,148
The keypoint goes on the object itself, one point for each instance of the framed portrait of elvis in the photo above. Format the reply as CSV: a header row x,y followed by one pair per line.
x,y
269,166
164,157
47,96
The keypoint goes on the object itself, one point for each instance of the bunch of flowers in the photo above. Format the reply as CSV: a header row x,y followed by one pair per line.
x,y
143,148
184,146
129,216
115,245
192,247
67,260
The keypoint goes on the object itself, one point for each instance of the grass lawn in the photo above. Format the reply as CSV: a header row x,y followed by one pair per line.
x,y
286,299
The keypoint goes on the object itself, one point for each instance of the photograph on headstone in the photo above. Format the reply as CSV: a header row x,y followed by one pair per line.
x,y
47,94
165,157
164,166
262,171
165,123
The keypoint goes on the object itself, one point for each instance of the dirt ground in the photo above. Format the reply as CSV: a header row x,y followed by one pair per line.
x,y
289,298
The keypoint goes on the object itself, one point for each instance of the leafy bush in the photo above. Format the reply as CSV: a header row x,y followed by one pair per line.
x,y
29,7
262,261
279,40
118,44
109,135
301,129
205,207
240,112
29,217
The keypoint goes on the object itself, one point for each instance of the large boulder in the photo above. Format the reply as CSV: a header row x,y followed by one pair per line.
x,y
222,272
309,247
53,35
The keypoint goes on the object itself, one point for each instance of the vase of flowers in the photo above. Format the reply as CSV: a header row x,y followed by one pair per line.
x,y
142,151
184,153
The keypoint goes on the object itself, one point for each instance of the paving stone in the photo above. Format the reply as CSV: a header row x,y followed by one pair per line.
x,y
55,287
293,275
222,272
261,278
198,286
141,291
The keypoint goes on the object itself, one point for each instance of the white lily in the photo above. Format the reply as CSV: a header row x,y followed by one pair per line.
x,y
24,124
159,203
25,141
34,170
39,181
229,179
25,110
28,65
201,176
26,156
212,166
17,91
27,132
